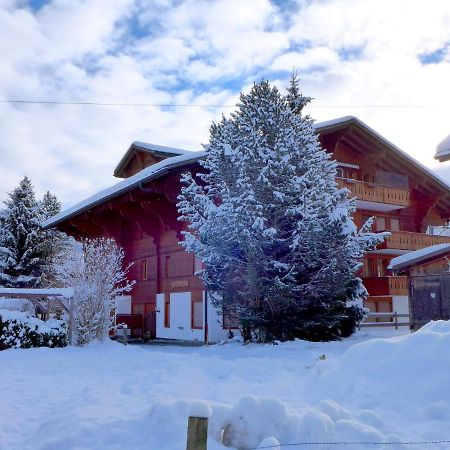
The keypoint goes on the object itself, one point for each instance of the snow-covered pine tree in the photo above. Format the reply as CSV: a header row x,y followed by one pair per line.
x,y
52,242
274,231
20,260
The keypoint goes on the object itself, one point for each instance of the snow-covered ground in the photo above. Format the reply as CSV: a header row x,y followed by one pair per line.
x,y
139,397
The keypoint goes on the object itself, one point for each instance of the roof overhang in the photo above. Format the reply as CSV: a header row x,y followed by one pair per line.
x,y
187,157
443,150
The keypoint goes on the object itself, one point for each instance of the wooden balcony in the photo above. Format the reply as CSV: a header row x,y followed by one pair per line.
x,y
386,285
370,192
404,240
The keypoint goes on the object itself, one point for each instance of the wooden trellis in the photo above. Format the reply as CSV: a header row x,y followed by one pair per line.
x,y
55,296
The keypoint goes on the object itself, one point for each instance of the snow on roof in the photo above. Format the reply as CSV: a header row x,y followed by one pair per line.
x,y
63,292
162,167
150,148
410,258
443,149
145,175
161,148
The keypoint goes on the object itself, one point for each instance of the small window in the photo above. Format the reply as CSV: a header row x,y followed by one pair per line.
x,y
167,311
144,271
381,223
339,172
197,314
167,266
395,224
197,264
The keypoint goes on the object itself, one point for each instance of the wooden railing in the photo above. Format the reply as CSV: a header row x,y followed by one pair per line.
x,y
386,285
404,240
373,320
375,193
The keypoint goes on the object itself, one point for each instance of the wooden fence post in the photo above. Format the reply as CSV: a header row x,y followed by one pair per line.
x,y
70,325
197,433
125,335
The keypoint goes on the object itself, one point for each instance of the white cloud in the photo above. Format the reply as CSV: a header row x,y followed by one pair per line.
x,y
349,52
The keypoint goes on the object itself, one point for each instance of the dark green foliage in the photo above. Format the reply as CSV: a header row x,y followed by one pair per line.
x,y
17,334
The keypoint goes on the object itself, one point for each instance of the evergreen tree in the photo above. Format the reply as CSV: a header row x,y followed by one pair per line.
x,y
20,261
271,226
52,242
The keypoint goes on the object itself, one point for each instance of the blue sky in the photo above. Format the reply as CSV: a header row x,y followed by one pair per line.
x,y
386,62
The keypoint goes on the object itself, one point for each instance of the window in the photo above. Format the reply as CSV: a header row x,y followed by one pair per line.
x,y
340,172
395,225
167,266
167,310
197,264
380,223
197,314
144,271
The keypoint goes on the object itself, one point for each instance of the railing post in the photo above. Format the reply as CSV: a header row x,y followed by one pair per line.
x,y
70,325
396,320
125,334
197,434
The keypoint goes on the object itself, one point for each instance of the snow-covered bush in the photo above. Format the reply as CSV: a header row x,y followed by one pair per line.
x,y
94,268
272,227
19,330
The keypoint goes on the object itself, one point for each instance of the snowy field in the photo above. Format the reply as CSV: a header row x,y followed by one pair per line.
x,y
368,388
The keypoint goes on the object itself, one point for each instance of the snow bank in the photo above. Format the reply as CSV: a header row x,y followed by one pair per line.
x,y
116,397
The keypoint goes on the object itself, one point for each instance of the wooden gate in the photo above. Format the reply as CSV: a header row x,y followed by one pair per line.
x,y
429,299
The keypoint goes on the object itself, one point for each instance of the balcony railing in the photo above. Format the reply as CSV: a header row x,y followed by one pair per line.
x,y
375,193
386,285
404,240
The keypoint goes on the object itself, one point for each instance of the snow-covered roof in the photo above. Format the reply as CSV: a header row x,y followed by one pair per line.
x,y
145,175
443,150
417,256
159,169
62,292
341,121
154,149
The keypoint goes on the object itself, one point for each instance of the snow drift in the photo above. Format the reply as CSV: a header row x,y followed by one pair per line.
x,y
111,396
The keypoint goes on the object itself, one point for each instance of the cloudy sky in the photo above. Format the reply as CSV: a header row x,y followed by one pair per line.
x,y
384,61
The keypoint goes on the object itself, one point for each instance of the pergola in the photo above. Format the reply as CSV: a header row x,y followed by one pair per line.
x,y
59,296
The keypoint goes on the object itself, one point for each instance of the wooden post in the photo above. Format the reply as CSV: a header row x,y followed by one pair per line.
x,y
197,433
396,320
70,324
125,334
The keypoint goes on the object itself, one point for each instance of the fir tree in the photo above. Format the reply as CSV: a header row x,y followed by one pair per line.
x,y
52,242
270,224
20,261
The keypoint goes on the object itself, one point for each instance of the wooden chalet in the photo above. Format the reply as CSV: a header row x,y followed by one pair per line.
x,y
140,213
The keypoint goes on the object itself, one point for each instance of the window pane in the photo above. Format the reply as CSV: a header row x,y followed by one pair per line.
x,y
381,223
197,315
395,224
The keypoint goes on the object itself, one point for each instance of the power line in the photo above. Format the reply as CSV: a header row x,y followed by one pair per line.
x,y
433,442
185,105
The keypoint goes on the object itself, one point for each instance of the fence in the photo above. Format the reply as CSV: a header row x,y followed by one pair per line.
x,y
394,322
197,436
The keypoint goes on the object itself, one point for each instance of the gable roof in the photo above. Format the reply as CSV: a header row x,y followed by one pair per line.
x,y
153,149
341,122
187,157
149,173
409,259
